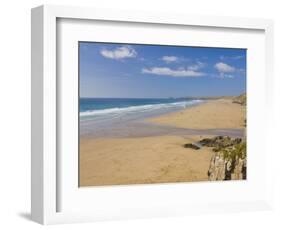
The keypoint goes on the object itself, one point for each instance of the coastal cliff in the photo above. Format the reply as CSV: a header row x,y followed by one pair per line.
x,y
230,159
241,99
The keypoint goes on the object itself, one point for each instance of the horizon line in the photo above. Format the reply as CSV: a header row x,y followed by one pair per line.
x,y
171,97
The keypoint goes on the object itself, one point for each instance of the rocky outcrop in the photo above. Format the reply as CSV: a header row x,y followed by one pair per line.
x,y
229,159
220,142
191,146
242,99
229,163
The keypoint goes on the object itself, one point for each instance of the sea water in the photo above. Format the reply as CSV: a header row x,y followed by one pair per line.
x,y
126,116
92,108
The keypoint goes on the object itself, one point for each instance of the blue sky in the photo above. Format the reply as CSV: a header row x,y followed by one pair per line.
x,y
154,71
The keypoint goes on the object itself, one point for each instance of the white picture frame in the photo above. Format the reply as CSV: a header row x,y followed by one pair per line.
x,y
45,173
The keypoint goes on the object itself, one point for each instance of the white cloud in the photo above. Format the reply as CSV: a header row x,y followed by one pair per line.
x,y
169,59
180,72
224,68
119,53
197,66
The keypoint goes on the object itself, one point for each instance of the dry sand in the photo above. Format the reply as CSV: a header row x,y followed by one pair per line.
x,y
157,159
217,114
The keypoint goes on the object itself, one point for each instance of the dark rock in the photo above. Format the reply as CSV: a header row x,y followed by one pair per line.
x,y
216,149
191,146
237,141
219,142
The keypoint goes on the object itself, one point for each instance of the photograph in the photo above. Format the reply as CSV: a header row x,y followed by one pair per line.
x,y
154,113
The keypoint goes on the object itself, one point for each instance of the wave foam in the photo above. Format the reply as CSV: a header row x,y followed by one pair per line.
x,y
140,108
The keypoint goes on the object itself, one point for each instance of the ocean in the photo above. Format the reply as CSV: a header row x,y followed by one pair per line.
x,y
125,116
91,108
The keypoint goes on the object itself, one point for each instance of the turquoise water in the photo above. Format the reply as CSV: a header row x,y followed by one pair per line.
x,y
93,107
125,116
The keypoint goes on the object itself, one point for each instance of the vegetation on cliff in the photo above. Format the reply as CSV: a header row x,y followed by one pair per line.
x,y
241,99
229,161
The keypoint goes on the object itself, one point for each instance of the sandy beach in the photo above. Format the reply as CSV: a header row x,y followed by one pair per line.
x,y
158,158
216,114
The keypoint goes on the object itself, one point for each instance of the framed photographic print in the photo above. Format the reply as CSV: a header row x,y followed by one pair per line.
x,y
139,114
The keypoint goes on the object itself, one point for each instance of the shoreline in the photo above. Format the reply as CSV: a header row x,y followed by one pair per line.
x,y
129,124
157,125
